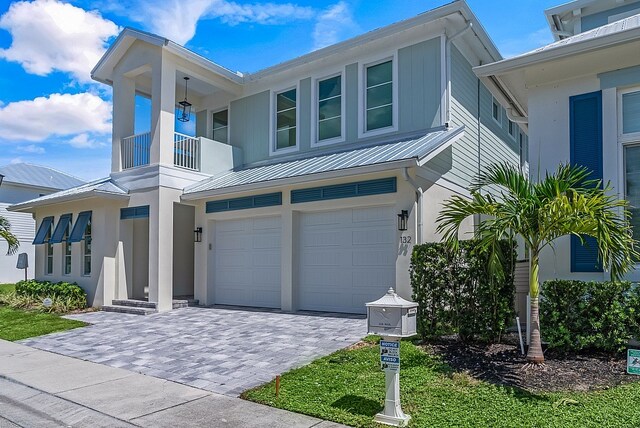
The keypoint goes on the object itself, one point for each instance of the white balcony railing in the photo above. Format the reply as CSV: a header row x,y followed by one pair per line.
x,y
135,150
186,151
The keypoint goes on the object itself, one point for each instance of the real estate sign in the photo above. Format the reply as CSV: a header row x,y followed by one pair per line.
x,y
633,361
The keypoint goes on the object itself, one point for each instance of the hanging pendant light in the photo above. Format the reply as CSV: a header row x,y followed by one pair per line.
x,y
185,106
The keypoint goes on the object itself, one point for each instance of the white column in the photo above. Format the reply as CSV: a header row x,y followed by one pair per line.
x,y
124,104
163,103
288,297
161,248
200,274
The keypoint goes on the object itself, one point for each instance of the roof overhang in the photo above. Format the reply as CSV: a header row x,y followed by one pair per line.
x,y
31,206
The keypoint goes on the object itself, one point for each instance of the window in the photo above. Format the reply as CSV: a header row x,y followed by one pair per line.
x,y
379,96
67,251
513,129
329,108
48,270
523,155
632,185
495,111
86,250
631,112
221,126
286,119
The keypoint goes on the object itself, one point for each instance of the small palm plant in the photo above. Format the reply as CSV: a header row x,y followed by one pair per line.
x,y
564,203
5,233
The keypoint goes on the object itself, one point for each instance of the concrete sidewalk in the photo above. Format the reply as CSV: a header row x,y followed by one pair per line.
x,y
40,388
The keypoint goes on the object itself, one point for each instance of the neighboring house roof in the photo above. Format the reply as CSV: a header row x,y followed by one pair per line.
x,y
104,187
38,176
417,150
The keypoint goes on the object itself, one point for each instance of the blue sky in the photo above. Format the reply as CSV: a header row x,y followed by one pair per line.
x,y
52,114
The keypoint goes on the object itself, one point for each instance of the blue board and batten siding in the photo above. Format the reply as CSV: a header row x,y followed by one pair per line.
x,y
585,139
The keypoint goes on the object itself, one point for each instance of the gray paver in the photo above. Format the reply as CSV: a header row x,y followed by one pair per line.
x,y
220,349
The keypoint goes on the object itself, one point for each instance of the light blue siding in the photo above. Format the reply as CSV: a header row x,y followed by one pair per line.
x,y
419,85
623,77
249,126
599,19
304,115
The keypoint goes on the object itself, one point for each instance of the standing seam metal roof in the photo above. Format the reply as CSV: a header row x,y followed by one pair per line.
x,y
399,150
39,176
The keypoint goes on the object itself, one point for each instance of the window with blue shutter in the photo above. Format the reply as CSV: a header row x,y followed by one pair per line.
x,y
134,212
348,190
62,227
585,124
258,201
43,231
77,234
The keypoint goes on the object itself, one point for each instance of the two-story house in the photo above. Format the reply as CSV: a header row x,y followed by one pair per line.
x,y
23,182
304,186
582,100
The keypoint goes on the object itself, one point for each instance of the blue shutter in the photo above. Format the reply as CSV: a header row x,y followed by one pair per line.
x,y
349,190
585,116
43,230
77,234
61,227
258,201
134,212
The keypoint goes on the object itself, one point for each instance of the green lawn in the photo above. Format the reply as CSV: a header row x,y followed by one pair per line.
x,y
16,324
348,387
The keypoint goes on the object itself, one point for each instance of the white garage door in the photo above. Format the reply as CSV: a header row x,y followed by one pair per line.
x,y
247,262
347,258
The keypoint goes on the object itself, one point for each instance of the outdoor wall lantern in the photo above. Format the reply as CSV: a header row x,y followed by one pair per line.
x,y
185,106
1,178
197,234
402,220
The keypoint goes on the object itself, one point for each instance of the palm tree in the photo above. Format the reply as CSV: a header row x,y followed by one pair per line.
x,y
564,203
6,234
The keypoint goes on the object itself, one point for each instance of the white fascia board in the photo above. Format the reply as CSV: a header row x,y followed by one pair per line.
x,y
348,172
500,91
193,57
568,7
561,51
442,147
29,206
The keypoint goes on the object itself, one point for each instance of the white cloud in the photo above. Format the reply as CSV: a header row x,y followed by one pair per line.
x,y
526,43
85,141
55,115
17,160
333,25
32,148
49,35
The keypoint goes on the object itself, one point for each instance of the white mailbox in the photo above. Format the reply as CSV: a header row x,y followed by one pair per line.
x,y
392,316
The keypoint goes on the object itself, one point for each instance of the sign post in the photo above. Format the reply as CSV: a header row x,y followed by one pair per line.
x,y
23,263
390,363
633,361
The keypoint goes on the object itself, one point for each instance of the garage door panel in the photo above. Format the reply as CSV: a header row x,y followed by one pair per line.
x,y
247,261
358,266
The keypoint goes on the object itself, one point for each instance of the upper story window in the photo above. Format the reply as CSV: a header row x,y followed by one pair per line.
x,y
379,96
495,110
513,129
221,126
286,119
329,109
631,112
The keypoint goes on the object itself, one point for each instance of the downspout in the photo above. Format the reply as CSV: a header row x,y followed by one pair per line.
x,y
419,193
447,65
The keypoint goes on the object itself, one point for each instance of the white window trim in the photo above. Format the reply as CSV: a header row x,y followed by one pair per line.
x,y
362,111
272,121
315,141
633,136
499,119
228,109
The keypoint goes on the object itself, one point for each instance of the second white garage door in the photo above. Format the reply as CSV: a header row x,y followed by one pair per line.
x,y
347,258
247,262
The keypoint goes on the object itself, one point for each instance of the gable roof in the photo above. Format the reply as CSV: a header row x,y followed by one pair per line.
x,y
417,150
104,187
27,174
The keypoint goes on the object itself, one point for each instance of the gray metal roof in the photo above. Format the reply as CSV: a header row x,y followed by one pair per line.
x,y
39,176
102,187
613,28
417,148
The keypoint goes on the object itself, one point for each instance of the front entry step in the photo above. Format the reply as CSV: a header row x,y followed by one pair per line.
x,y
184,302
130,306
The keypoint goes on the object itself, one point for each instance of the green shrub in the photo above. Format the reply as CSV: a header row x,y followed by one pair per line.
x,y
65,296
457,294
577,315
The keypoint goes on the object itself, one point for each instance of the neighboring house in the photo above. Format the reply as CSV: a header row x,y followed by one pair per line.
x,y
582,96
305,185
23,182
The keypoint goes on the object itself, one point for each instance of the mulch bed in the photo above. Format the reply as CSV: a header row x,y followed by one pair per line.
x,y
503,364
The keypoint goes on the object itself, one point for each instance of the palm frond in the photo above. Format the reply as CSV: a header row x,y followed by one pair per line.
x,y
5,233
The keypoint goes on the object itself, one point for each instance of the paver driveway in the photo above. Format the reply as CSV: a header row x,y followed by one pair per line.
x,y
224,350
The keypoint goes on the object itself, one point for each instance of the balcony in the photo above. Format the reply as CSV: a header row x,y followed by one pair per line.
x,y
136,151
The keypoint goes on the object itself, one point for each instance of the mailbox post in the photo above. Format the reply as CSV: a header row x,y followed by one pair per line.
x,y
393,318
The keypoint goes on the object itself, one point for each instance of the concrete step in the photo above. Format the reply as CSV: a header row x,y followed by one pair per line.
x,y
135,310
136,303
183,303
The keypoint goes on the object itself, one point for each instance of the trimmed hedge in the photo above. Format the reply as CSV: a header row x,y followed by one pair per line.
x,y
577,315
457,294
65,296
